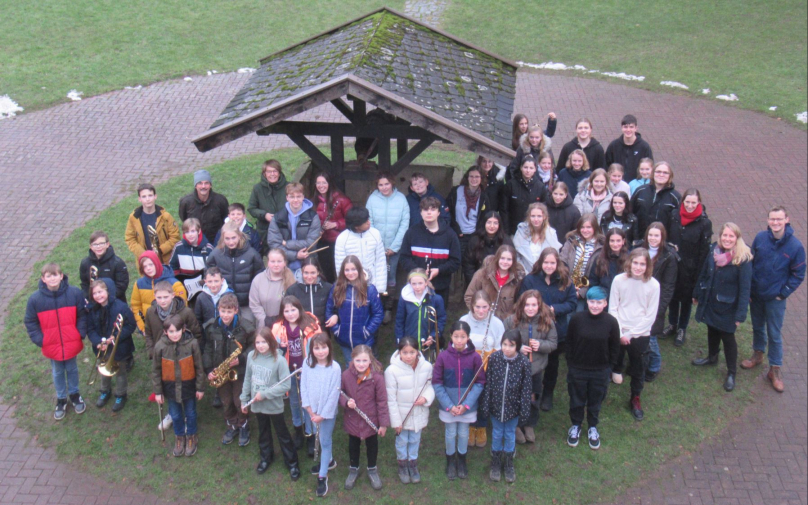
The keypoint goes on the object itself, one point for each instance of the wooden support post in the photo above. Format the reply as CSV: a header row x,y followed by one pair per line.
x,y
359,110
384,154
413,153
305,145
338,161
402,147
343,107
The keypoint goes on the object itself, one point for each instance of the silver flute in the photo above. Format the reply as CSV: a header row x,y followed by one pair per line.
x,y
361,414
274,386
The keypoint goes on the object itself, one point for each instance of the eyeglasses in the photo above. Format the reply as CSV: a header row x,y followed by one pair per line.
x,y
99,244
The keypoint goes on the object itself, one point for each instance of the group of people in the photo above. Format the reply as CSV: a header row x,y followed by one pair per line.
x,y
580,257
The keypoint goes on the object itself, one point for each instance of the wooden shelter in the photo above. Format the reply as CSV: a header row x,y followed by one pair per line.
x,y
425,85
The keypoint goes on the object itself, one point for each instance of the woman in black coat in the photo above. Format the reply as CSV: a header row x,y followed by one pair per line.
x,y
519,193
486,240
610,261
313,291
691,233
620,216
562,213
657,201
722,294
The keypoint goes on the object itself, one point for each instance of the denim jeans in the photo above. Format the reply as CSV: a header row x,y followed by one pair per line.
x,y
300,416
326,430
457,438
392,267
503,435
679,313
64,386
767,322
654,356
407,444
184,422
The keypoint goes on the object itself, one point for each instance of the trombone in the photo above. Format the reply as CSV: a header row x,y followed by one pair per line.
x,y
432,321
107,366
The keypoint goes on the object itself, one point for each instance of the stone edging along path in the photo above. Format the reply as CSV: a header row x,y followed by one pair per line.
x,y
51,159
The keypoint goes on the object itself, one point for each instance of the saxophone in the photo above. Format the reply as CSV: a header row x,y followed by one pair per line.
x,y
578,277
223,373
155,240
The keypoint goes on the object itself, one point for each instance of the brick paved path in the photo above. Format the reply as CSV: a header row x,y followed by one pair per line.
x,y
112,141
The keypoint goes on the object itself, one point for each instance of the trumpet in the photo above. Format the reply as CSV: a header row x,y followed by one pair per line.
x,y
107,366
155,240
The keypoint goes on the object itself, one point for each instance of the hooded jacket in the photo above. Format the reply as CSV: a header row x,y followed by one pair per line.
x,y
517,196
521,242
357,325
189,259
495,179
412,319
307,228
211,213
627,223
508,388
143,291
340,206
723,293
573,180
456,202
391,216
452,375
482,341
403,387
222,340
593,151
778,266
523,150
485,279
414,201
585,203
616,267
265,298
205,304
110,266
666,265
548,340
314,297
423,249
564,216
563,301
239,267
370,395
488,245
56,320
154,323
167,232
262,373
368,246
177,368
693,244
628,156
266,198
101,320
650,206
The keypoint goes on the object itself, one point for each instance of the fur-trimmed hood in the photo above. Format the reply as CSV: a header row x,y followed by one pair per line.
x,y
545,144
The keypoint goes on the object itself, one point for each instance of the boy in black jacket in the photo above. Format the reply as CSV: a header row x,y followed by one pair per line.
x,y
107,264
628,149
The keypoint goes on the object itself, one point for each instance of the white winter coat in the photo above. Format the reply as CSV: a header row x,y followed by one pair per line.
x,y
391,216
369,248
583,201
403,385
521,242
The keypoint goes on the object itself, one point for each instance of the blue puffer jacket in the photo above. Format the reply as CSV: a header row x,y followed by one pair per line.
x,y
564,302
391,216
412,319
723,293
101,320
357,325
778,266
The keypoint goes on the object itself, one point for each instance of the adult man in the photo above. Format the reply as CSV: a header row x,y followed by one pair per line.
x,y
204,204
628,149
778,268
420,189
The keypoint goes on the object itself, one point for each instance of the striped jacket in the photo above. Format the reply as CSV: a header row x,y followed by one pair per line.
x,y
424,249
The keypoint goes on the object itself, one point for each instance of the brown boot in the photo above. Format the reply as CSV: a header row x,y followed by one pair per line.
x,y
755,360
482,437
179,446
472,436
190,445
776,379
520,436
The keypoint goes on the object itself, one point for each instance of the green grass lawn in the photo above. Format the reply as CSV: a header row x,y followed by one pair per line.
x,y
684,407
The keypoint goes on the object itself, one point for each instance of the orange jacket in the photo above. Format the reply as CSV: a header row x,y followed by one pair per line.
x,y
279,332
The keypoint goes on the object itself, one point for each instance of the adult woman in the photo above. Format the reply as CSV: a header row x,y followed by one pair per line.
x,y
609,261
331,206
551,278
313,291
500,278
691,233
534,235
594,196
658,201
519,193
563,214
722,294
467,202
619,216
532,143
584,141
576,172
239,264
579,247
267,198
390,214
493,174
484,243
268,287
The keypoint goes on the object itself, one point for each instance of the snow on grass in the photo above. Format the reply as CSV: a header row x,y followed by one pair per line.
x,y
187,79
134,87
705,91
624,76
674,84
8,107
245,70
211,72
773,107
802,117
74,95
550,65
729,98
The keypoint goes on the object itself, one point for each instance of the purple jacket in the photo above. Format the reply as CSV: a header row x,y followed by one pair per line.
x,y
452,374
371,398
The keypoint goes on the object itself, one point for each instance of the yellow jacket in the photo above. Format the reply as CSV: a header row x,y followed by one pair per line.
x,y
167,232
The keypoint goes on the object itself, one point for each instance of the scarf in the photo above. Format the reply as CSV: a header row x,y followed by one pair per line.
x,y
545,176
595,199
689,217
472,197
722,258
502,280
363,376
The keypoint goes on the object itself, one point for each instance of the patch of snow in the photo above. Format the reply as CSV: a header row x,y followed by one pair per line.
x,y
802,117
186,78
465,78
8,107
211,72
245,70
773,107
74,95
674,84
549,65
729,98
705,91
134,87
625,76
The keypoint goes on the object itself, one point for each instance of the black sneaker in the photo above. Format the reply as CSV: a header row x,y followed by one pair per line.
x,y
78,403
216,403
681,337
669,331
229,435
103,398
315,470
244,436
594,438
120,403
61,409
322,486
573,435
650,376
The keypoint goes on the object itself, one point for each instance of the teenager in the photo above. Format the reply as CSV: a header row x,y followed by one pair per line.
x,y
563,215
551,278
209,207
420,188
192,251
616,182
620,216
268,287
500,277
518,128
593,341
535,322
313,291
722,293
691,234
467,202
777,271
610,261
534,235
658,201
239,264
546,172
494,175
519,192
629,148
238,215
205,304
149,214
412,317
361,240
645,173
594,196
295,227
585,142
579,247
532,143
331,206
152,272
165,305
268,197
390,214
575,173
634,300
106,264
56,322
432,245
489,237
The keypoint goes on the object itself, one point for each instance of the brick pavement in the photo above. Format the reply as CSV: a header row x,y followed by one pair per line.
x,y
112,141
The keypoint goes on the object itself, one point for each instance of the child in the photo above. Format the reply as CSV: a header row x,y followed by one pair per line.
x,y
178,377
137,235
409,391
237,214
265,369
55,321
532,143
107,264
561,212
484,243
239,263
320,384
293,330
506,401
586,234
500,278
364,242
452,375
165,304
313,291
420,189
412,316
143,292
332,206
533,235
594,196
268,287
295,227
103,313
619,216
576,172
207,300
629,148
191,253
363,383
546,172
644,172
354,310
467,203
519,193
616,182
222,337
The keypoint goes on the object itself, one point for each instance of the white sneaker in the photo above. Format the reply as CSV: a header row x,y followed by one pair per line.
x,y
617,378
165,423
594,438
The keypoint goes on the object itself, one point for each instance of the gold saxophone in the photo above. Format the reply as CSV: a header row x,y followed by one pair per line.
x,y
578,277
223,373
155,240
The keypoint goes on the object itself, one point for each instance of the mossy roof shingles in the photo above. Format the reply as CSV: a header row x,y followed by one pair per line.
x,y
474,89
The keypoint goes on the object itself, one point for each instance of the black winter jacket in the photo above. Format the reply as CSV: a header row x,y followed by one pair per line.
x,y
221,342
616,267
650,206
102,319
423,249
563,217
313,297
627,223
723,294
239,267
628,156
110,266
508,386
573,180
517,195
665,268
693,243
211,212
477,250
593,151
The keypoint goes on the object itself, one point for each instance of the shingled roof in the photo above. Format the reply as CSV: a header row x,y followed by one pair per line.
x,y
423,66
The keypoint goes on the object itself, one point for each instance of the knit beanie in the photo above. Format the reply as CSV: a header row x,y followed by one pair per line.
x,y
201,176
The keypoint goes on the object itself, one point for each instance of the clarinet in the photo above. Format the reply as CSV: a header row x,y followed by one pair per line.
x,y
361,414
